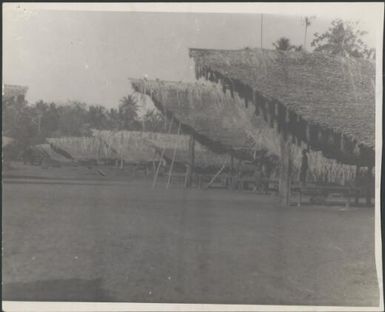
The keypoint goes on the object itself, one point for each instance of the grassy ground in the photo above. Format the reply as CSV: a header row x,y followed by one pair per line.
x,y
116,239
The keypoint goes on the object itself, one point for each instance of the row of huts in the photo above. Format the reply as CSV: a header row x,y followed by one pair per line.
x,y
257,102
256,106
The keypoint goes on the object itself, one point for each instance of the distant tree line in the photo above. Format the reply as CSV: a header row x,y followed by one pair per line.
x,y
31,124
342,38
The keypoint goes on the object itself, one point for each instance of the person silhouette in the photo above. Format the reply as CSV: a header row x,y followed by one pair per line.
x,y
304,167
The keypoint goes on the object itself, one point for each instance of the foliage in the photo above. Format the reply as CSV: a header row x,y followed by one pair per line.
x,y
32,124
128,113
284,44
154,121
342,38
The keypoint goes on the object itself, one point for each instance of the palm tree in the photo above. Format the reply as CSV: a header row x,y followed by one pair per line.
x,y
283,44
128,112
307,22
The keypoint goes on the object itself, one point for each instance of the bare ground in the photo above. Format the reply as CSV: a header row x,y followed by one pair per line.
x,y
85,237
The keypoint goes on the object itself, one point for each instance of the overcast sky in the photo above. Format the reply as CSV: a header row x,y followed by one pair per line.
x,y
89,56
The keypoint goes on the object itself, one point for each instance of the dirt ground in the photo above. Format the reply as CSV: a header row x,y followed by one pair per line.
x,y
72,234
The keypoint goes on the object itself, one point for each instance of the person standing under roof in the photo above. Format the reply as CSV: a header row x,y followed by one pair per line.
x,y
304,168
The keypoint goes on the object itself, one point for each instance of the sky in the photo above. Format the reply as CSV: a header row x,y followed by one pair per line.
x,y
90,56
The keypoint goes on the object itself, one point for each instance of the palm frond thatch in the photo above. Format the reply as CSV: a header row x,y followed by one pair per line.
x,y
220,118
334,92
83,148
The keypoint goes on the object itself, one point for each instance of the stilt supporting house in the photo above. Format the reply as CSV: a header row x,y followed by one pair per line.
x,y
285,171
369,186
191,164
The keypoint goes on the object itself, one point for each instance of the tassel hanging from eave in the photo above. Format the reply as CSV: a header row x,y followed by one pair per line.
x,y
298,130
214,77
271,110
342,143
301,129
224,86
263,108
314,130
206,74
281,117
356,149
256,103
231,86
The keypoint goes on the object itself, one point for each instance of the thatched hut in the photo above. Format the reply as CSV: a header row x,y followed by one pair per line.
x,y
6,141
128,146
47,155
14,93
82,148
139,146
212,118
225,125
324,102
215,119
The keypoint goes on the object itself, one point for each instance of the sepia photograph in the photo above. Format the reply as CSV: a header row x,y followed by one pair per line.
x,y
200,156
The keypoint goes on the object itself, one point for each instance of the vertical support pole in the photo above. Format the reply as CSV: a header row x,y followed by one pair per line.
x,y
231,171
239,183
285,170
161,156
356,193
173,160
261,31
190,168
369,186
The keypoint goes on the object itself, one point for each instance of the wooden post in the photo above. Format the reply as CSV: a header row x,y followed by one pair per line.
x,y
369,186
356,193
231,171
172,161
285,170
190,168
161,156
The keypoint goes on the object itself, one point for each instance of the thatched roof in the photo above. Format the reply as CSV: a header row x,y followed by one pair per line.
x,y
224,124
6,141
147,146
12,91
82,148
333,92
46,151
130,146
216,119
201,159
